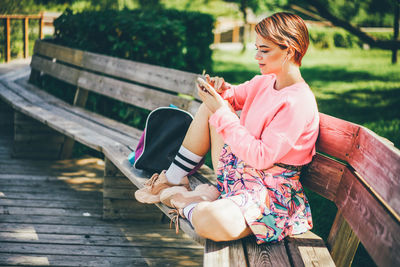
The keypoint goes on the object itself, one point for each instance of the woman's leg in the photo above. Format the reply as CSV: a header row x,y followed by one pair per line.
x,y
200,136
220,220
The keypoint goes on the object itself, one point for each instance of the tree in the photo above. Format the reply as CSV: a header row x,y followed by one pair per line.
x,y
243,6
341,15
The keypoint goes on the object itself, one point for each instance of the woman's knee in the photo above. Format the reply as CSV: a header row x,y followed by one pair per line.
x,y
219,220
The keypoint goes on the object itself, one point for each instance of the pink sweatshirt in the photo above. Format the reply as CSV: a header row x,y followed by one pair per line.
x,y
274,126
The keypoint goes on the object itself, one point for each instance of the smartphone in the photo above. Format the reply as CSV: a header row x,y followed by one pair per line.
x,y
204,85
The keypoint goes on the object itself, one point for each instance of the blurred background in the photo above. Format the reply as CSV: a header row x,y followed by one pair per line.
x,y
351,64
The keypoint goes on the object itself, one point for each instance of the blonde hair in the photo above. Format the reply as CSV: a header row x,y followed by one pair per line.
x,y
287,31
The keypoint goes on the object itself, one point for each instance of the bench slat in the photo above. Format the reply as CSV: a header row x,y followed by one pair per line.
x,y
130,93
56,70
336,137
323,176
165,78
62,53
376,228
227,254
378,163
269,254
308,249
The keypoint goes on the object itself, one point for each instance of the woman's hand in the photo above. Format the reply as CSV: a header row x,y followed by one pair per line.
x,y
210,97
218,83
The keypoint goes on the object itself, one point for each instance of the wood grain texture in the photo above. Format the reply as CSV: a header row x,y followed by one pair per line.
x,y
224,254
161,77
336,136
133,94
376,228
342,242
267,254
56,70
378,163
323,176
156,76
308,249
61,53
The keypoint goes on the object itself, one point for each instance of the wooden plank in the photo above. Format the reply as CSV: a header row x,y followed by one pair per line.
x,y
308,249
10,210
133,94
72,204
342,241
61,53
169,240
161,77
7,31
61,249
24,259
323,176
56,70
378,163
336,136
224,254
267,254
26,37
376,228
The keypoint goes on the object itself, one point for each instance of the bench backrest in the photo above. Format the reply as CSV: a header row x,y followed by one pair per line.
x,y
360,172
143,85
355,168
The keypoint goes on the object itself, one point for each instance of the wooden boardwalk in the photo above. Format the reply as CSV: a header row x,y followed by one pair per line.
x,y
50,215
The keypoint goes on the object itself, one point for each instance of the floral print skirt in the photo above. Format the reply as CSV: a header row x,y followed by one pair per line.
x,y
272,201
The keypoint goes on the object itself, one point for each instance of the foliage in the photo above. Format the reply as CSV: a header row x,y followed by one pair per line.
x,y
170,38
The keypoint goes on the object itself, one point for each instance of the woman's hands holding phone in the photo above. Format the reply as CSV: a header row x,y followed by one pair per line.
x,y
209,95
218,83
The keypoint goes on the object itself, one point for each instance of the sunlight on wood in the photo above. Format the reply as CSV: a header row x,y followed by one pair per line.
x,y
90,161
81,180
31,260
19,236
314,256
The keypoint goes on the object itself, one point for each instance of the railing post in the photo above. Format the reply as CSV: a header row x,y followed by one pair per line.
x,y
235,34
41,22
7,44
26,37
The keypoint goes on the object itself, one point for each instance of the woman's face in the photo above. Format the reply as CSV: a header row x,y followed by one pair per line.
x,y
270,56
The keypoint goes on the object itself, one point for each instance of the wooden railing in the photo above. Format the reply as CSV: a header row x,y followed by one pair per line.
x,y
7,31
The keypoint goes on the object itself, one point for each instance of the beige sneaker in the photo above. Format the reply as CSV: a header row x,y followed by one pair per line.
x,y
179,197
152,189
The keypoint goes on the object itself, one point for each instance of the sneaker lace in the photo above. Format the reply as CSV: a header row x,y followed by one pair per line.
x,y
175,219
152,180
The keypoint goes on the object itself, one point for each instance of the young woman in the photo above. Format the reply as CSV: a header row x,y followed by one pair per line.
x,y
258,156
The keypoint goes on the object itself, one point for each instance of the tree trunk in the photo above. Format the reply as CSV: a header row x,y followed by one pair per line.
x,y
395,29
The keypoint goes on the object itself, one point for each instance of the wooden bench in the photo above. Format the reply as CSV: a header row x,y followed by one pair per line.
x,y
354,168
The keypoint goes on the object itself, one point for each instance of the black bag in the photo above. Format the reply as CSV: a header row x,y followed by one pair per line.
x,y
165,130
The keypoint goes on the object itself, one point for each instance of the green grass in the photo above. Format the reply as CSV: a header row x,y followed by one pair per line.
x,y
360,86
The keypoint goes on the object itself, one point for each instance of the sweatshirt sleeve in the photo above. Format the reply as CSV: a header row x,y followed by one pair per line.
x,y
277,139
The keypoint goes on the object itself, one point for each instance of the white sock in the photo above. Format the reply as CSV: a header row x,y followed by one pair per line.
x,y
188,211
184,162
